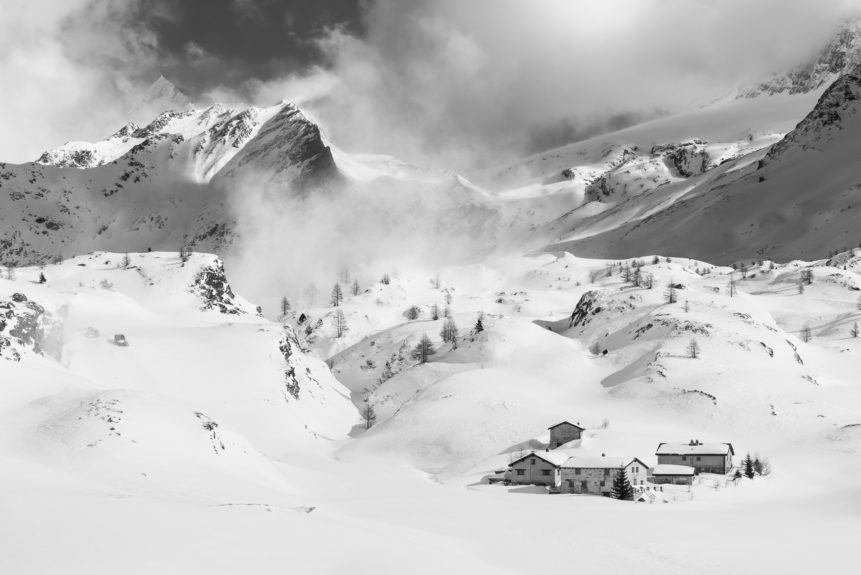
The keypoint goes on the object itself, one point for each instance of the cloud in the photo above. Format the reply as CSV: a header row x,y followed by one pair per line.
x,y
65,72
462,84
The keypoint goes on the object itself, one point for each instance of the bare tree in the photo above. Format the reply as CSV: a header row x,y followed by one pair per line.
x,y
434,312
670,292
806,334
436,282
339,322
854,331
807,276
386,279
731,288
126,261
449,332
337,296
693,349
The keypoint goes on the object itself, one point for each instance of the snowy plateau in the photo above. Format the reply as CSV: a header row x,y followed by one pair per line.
x,y
697,276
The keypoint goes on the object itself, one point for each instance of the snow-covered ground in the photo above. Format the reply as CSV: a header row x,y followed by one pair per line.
x,y
211,443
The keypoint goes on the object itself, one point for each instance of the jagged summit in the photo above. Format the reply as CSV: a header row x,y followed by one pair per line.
x,y
163,92
842,55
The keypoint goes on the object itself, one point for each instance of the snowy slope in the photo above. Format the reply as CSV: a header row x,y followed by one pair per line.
x,y
794,201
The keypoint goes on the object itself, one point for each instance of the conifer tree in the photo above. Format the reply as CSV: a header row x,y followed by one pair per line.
x,y
854,331
747,466
43,279
423,350
387,372
479,323
355,290
434,312
622,487
368,414
285,306
337,296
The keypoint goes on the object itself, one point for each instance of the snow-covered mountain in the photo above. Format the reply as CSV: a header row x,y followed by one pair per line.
x,y
842,55
796,198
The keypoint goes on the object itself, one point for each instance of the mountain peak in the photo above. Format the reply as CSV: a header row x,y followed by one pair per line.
x,y
841,56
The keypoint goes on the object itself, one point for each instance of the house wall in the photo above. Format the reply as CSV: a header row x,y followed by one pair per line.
x,y
533,472
589,481
673,479
563,434
700,463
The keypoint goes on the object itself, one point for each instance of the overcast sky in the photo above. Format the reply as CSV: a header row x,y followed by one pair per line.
x,y
440,81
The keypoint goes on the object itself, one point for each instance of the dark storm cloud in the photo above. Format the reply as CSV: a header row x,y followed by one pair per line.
x,y
205,43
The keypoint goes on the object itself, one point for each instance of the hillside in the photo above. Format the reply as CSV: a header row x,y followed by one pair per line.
x,y
796,200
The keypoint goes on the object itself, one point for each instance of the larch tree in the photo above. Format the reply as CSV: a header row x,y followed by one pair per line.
x,y
369,416
355,290
339,322
285,306
806,334
434,312
423,350
670,293
854,331
693,349
337,296
449,332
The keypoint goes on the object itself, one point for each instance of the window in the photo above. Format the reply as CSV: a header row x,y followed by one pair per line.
x,y
545,472
606,474
532,461
576,472
520,471
699,458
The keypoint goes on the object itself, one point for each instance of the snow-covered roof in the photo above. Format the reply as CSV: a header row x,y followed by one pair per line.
x,y
566,423
667,469
602,462
552,457
695,448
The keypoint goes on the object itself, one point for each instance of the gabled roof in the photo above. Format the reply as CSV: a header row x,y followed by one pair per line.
x,y
668,469
595,462
568,423
694,448
552,457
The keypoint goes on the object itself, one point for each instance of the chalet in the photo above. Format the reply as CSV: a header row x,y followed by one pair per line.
x,y
595,475
674,474
562,433
703,457
536,468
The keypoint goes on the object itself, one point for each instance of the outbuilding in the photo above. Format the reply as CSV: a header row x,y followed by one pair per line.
x,y
563,432
674,474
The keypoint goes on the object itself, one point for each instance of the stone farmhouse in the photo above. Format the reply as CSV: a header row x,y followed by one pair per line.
x,y
562,433
536,468
595,475
703,457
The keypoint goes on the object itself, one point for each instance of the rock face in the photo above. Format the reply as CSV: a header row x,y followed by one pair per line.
x,y
211,286
26,327
837,104
685,159
297,375
841,56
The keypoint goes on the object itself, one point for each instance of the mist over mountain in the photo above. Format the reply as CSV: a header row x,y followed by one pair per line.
x,y
343,286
